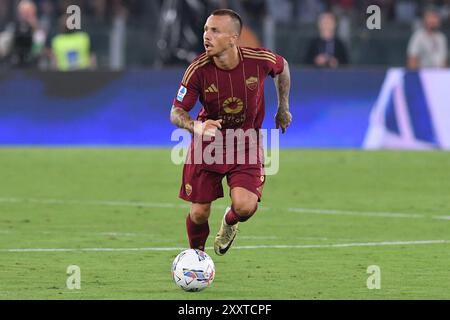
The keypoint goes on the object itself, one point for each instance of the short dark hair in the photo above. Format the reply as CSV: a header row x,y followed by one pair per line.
x,y
232,14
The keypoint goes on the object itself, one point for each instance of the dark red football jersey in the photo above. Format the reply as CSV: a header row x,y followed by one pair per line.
x,y
236,96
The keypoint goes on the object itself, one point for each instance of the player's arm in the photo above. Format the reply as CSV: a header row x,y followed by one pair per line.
x,y
183,120
187,96
283,117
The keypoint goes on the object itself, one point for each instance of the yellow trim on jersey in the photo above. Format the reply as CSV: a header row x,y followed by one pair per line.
x,y
267,55
240,53
193,65
259,52
195,68
260,58
260,55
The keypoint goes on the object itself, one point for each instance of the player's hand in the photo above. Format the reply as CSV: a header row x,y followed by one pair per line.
x,y
207,128
283,119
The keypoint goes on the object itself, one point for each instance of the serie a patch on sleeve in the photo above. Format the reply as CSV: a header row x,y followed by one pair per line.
x,y
181,93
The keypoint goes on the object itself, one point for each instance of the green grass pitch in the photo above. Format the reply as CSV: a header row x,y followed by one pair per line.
x,y
331,214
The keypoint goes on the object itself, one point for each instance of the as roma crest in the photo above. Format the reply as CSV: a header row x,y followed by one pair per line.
x,y
188,189
252,83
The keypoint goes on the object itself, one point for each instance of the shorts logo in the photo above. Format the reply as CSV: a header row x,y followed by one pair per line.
x,y
262,178
188,189
181,93
252,83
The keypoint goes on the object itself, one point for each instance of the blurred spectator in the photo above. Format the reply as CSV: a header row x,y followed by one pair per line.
x,y
406,10
180,35
23,40
141,33
428,46
326,51
71,49
5,11
309,10
445,11
255,10
117,36
47,16
280,10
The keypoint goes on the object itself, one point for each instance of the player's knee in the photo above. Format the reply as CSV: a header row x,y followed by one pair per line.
x,y
245,209
200,214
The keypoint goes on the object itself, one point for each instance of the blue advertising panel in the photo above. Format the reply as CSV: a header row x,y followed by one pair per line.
x,y
331,109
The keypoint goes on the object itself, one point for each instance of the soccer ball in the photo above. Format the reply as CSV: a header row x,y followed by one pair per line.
x,y
193,270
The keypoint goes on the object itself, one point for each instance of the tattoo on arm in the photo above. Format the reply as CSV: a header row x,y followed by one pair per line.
x,y
283,85
181,119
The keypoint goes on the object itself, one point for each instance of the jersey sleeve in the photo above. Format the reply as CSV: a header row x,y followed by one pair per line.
x,y
275,65
189,90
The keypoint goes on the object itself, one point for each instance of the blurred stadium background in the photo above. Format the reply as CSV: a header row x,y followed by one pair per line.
x,y
135,52
112,83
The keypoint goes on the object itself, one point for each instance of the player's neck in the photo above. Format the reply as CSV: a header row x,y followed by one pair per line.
x,y
228,60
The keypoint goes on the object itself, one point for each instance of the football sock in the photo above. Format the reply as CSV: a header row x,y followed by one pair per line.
x,y
197,233
231,218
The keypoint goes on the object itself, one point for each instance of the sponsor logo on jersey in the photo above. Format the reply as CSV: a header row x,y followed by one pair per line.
x,y
233,105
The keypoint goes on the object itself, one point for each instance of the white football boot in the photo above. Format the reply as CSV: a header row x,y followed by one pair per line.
x,y
225,236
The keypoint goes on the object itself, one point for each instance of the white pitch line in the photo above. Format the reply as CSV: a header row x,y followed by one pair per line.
x,y
94,203
263,208
309,246
346,245
359,213
103,203
441,217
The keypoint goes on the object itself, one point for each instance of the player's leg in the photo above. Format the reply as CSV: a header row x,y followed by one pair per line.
x,y
246,183
197,225
244,205
200,187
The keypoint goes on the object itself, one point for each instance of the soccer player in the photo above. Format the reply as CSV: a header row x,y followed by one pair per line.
x,y
229,82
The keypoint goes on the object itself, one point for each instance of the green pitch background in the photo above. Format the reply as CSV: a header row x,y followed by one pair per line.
x,y
127,198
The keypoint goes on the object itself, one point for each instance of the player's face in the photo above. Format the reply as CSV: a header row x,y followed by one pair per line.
x,y
219,35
